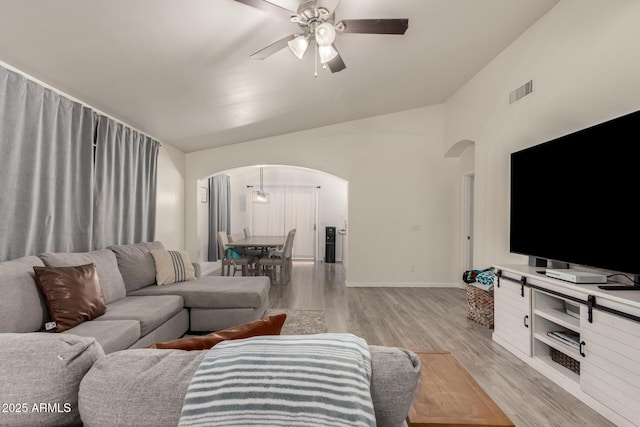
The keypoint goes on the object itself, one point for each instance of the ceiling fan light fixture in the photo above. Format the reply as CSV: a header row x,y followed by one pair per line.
x,y
299,46
325,34
327,53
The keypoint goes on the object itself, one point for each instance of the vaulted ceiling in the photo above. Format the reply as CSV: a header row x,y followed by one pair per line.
x,y
180,70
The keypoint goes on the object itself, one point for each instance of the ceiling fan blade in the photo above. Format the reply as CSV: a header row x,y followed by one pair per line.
x,y
269,7
336,64
330,5
273,47
373,26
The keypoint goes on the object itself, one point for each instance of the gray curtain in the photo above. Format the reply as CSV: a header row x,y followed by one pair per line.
x,y
46,170
125,185
219,211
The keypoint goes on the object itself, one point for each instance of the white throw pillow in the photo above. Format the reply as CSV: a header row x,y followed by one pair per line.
x,y
172,267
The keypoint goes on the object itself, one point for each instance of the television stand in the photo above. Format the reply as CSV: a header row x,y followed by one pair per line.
x,y
600,370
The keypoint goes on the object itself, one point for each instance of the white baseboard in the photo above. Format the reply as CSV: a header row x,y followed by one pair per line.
x,y
401,285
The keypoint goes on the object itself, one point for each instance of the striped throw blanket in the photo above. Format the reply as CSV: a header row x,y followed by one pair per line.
x,y
284,380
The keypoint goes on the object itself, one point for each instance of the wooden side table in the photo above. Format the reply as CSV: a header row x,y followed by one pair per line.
x,y
447,395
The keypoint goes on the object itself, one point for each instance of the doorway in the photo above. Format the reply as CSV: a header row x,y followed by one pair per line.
x,y
467,244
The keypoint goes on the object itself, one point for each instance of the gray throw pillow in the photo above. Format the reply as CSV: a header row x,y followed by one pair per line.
x,y
136,264
41,374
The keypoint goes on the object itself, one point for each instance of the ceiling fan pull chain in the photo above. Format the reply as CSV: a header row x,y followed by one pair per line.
x,y
316,61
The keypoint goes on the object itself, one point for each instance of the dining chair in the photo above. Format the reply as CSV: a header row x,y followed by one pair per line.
x,y
247,233
235,237
249,252
283,259
239,264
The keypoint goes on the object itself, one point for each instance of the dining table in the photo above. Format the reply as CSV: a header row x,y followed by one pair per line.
x,y
262,242
257,246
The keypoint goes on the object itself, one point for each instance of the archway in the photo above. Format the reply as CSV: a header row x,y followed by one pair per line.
x,y
331,206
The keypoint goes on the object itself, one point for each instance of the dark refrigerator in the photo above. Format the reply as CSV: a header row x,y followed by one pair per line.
x,y
330,245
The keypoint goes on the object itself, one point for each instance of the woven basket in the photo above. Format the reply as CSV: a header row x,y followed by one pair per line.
x,y
566,361
480,306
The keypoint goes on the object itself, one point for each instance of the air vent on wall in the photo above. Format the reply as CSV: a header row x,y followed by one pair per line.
x,y
521,92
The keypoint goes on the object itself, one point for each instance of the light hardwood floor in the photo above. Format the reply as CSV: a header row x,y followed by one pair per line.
x,y
433,319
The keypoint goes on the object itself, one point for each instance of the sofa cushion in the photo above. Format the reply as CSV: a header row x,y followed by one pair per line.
x,y
216,291
216,319
173,328
137,387
269,326
73,294
136,264
395,374
172,267
106,265
151,312
22,305
41,372
112,335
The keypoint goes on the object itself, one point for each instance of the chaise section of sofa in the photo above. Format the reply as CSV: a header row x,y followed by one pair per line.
x,y
214,302
217,302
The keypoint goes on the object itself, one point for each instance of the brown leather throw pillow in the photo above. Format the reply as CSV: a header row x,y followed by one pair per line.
x,y
73,294
272,325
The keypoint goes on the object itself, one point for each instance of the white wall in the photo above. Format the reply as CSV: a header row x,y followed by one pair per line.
x,y
404,206
582,57
170,197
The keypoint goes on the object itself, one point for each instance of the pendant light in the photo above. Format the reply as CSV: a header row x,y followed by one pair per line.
x,y
261,196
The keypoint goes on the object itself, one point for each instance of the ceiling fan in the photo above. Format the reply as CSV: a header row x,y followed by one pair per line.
x,y
316,19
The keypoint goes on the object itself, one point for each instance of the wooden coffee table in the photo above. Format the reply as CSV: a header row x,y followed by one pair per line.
x,y
447,395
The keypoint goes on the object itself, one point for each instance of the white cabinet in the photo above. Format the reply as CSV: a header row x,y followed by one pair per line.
x,y
512,313
600,365
610,368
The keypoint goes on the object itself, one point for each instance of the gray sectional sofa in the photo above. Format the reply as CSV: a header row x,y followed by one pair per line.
x,y
139,313
95,374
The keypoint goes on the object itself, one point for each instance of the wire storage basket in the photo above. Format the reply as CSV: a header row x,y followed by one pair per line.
x,y
566,361
480,306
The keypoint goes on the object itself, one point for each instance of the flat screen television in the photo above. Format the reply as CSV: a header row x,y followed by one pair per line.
x,y
573,198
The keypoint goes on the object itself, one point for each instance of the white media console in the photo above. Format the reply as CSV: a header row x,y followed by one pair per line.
x,y
529,304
